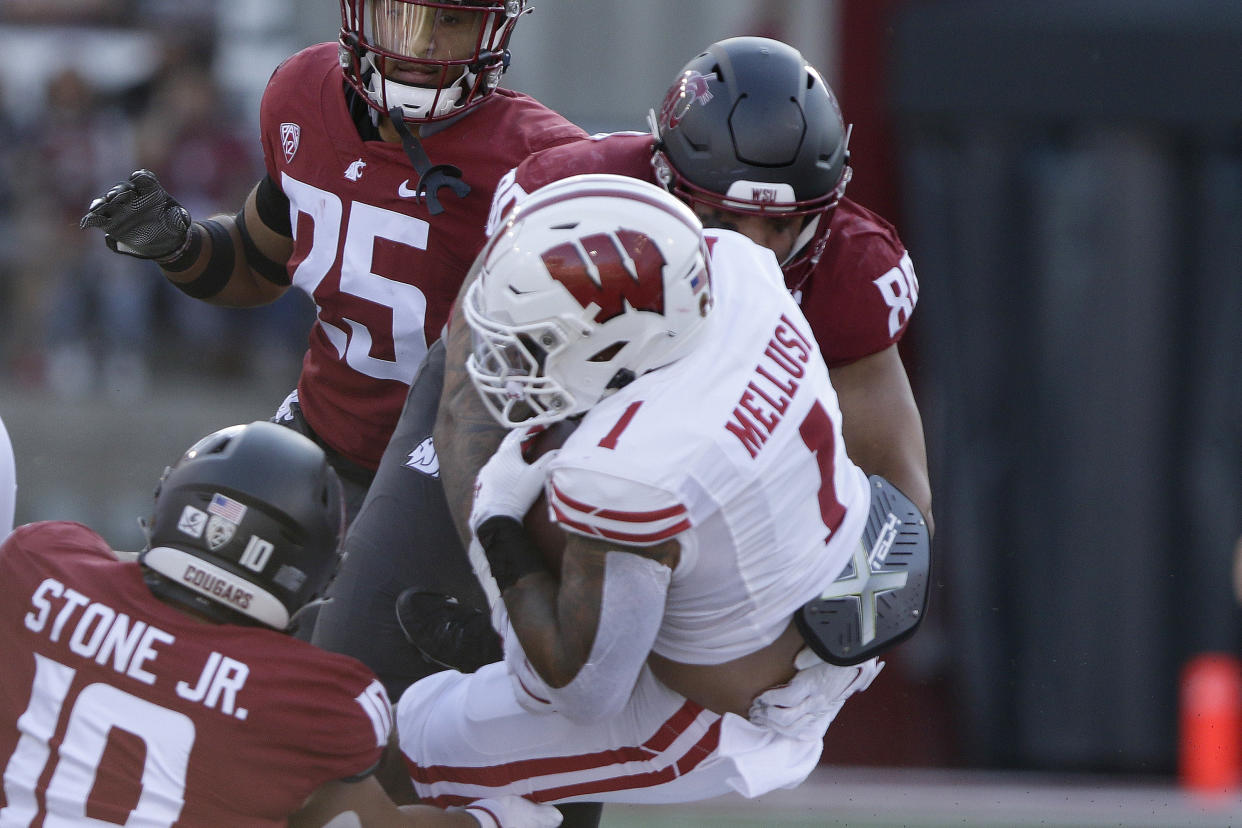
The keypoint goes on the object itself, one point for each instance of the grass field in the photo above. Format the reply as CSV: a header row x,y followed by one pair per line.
x,y
904,798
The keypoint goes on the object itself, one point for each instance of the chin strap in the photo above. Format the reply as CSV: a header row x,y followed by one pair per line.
x,y
430,179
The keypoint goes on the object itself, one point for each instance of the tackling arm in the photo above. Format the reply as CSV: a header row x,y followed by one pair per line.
x,y
364,802
237,261
881,424
258,254
466,435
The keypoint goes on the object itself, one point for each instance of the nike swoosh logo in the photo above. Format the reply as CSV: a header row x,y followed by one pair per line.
x,y
406,192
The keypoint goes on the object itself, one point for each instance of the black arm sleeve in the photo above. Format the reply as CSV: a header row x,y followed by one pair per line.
x,y
274,272
273,206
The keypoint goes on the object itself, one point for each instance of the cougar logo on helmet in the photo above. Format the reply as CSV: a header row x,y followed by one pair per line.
x,y
691,90
617,282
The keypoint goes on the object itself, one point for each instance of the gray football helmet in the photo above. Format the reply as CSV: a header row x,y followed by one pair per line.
x,y
749,126
247,526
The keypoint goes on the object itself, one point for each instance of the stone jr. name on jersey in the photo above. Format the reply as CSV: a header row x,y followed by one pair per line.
x,y
95,631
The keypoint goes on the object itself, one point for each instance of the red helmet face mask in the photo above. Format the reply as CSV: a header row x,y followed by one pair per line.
x,y
433,60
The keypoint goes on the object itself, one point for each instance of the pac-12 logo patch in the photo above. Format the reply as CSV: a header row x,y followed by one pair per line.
x,y
219,532
290,137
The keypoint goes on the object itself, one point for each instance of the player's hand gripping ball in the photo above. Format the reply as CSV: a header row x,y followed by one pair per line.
x,y
543,531
511,484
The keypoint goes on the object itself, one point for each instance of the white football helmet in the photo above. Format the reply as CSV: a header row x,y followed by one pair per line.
x,y
590,283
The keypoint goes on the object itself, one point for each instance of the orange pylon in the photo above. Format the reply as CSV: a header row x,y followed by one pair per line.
x,y
1211,723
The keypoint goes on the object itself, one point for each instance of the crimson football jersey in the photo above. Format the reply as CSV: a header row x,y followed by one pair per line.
x,y
382,271
858,299
115,706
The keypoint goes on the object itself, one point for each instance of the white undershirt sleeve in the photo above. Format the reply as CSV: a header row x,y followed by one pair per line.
x,y
8,483
631,611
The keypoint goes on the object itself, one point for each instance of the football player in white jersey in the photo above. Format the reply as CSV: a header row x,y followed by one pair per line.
x,y
706,496
8,482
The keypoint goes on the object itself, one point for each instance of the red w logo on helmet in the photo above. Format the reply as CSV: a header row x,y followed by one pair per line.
x,y
613,286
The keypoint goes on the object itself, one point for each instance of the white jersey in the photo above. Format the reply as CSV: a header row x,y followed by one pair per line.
x,y
736,451
8,482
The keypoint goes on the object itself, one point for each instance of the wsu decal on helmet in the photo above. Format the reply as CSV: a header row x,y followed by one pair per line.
x,y
620,269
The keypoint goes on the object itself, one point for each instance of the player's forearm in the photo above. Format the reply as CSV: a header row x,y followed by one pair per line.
x,y
881,424
239,260
220,273
901,460
556,618
553,647
608,614
465,434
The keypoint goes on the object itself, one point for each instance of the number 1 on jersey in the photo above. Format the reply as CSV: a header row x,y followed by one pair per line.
x,y
818,435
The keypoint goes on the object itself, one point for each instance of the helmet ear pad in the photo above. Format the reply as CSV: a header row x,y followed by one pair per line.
x,y
246,526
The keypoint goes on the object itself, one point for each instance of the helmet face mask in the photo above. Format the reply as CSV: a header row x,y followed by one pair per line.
x,y
507,366
750,127
592,282
432,58
246,526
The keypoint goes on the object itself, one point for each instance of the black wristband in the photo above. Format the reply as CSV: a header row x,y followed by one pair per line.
x,y
219,266
185,258
510,553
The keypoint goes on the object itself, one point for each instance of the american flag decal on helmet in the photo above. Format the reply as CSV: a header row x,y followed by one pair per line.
x,y
290,137
227,508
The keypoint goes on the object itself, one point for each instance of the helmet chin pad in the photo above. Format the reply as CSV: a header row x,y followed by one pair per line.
x,y
417,103
372,56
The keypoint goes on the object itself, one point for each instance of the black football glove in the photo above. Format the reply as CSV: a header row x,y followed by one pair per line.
x,y
140,219
446,632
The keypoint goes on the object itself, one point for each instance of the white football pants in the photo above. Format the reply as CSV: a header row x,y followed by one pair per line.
x,y
465,737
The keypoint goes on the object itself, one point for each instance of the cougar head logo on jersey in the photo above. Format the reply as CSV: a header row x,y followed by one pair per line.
x,y
690,89
423,459
620,270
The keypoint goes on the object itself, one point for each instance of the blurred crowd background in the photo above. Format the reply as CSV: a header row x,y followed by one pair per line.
x,y
1067,175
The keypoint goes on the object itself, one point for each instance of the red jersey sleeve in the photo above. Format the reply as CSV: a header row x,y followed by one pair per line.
x,y
861,295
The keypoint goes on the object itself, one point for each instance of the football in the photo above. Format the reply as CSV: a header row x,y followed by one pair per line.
x,y
547,535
